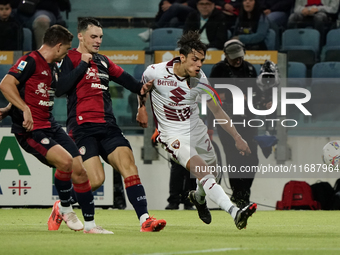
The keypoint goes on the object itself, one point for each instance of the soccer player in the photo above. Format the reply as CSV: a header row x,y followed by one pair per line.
x,y
176,86
91,121
30,87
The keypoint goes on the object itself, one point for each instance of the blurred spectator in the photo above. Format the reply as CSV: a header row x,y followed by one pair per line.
x,y
313,12
210,22
40,15
252,26
171,13
231,8
11,32
277,11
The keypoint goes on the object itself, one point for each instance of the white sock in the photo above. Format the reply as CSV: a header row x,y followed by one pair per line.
x,y
217,195
65,209
200,193
88,225
143,218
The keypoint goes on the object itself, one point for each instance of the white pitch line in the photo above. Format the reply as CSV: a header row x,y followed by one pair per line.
x,y
237,249
193,252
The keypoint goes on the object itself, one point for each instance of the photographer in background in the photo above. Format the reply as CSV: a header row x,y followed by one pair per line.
x,y
243,75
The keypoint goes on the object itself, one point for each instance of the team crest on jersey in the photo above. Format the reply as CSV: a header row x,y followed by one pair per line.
x,y
91,73
103,63
176,144
22,65
42,89
45,141
82,150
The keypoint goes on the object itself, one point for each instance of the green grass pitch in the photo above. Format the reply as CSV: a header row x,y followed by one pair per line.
x,y
24,231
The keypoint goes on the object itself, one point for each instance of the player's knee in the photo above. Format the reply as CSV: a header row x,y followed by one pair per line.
x,y
79,175
65,164
95,184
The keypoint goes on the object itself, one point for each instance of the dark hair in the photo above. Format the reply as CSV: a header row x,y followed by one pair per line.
x,y
85,22
57,34
255,15
191,41
5,2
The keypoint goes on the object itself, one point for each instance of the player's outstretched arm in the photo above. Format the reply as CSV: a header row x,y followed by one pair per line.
x,y
219,113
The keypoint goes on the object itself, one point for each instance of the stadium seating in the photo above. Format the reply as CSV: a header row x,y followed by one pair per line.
x,y
138,72
60,110
4,70
271,40
165,38
207,69
326,70
325,89
257,68
27,44
331,51
297,73
302,45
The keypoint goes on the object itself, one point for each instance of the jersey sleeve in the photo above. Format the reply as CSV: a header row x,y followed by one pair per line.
x,y
68,75
23,69
147,75
114,70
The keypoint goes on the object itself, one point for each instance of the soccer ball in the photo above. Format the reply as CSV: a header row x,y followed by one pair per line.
x,y
331,153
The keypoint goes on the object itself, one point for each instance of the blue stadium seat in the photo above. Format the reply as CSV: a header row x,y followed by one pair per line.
x,y
60,110
302,45
4,70
27,44
325,90
326,70
271,40
165,38
257,68
207,69
331,50
138,72
297,73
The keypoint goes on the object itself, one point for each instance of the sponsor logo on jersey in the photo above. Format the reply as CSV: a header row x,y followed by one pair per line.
x,y
168,76
45,141
103,63
99,86
103,76
46,103
82,150
42,89
167,83
176,144
22,65
177,95
44,73
91,73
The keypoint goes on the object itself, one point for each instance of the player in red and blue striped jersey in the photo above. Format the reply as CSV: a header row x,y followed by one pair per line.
x,y
30,88
85,77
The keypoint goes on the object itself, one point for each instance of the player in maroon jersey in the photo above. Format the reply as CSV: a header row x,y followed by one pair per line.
x,y
85,77
30,88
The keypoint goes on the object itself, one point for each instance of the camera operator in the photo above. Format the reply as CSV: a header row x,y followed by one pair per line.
x,y
243,75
